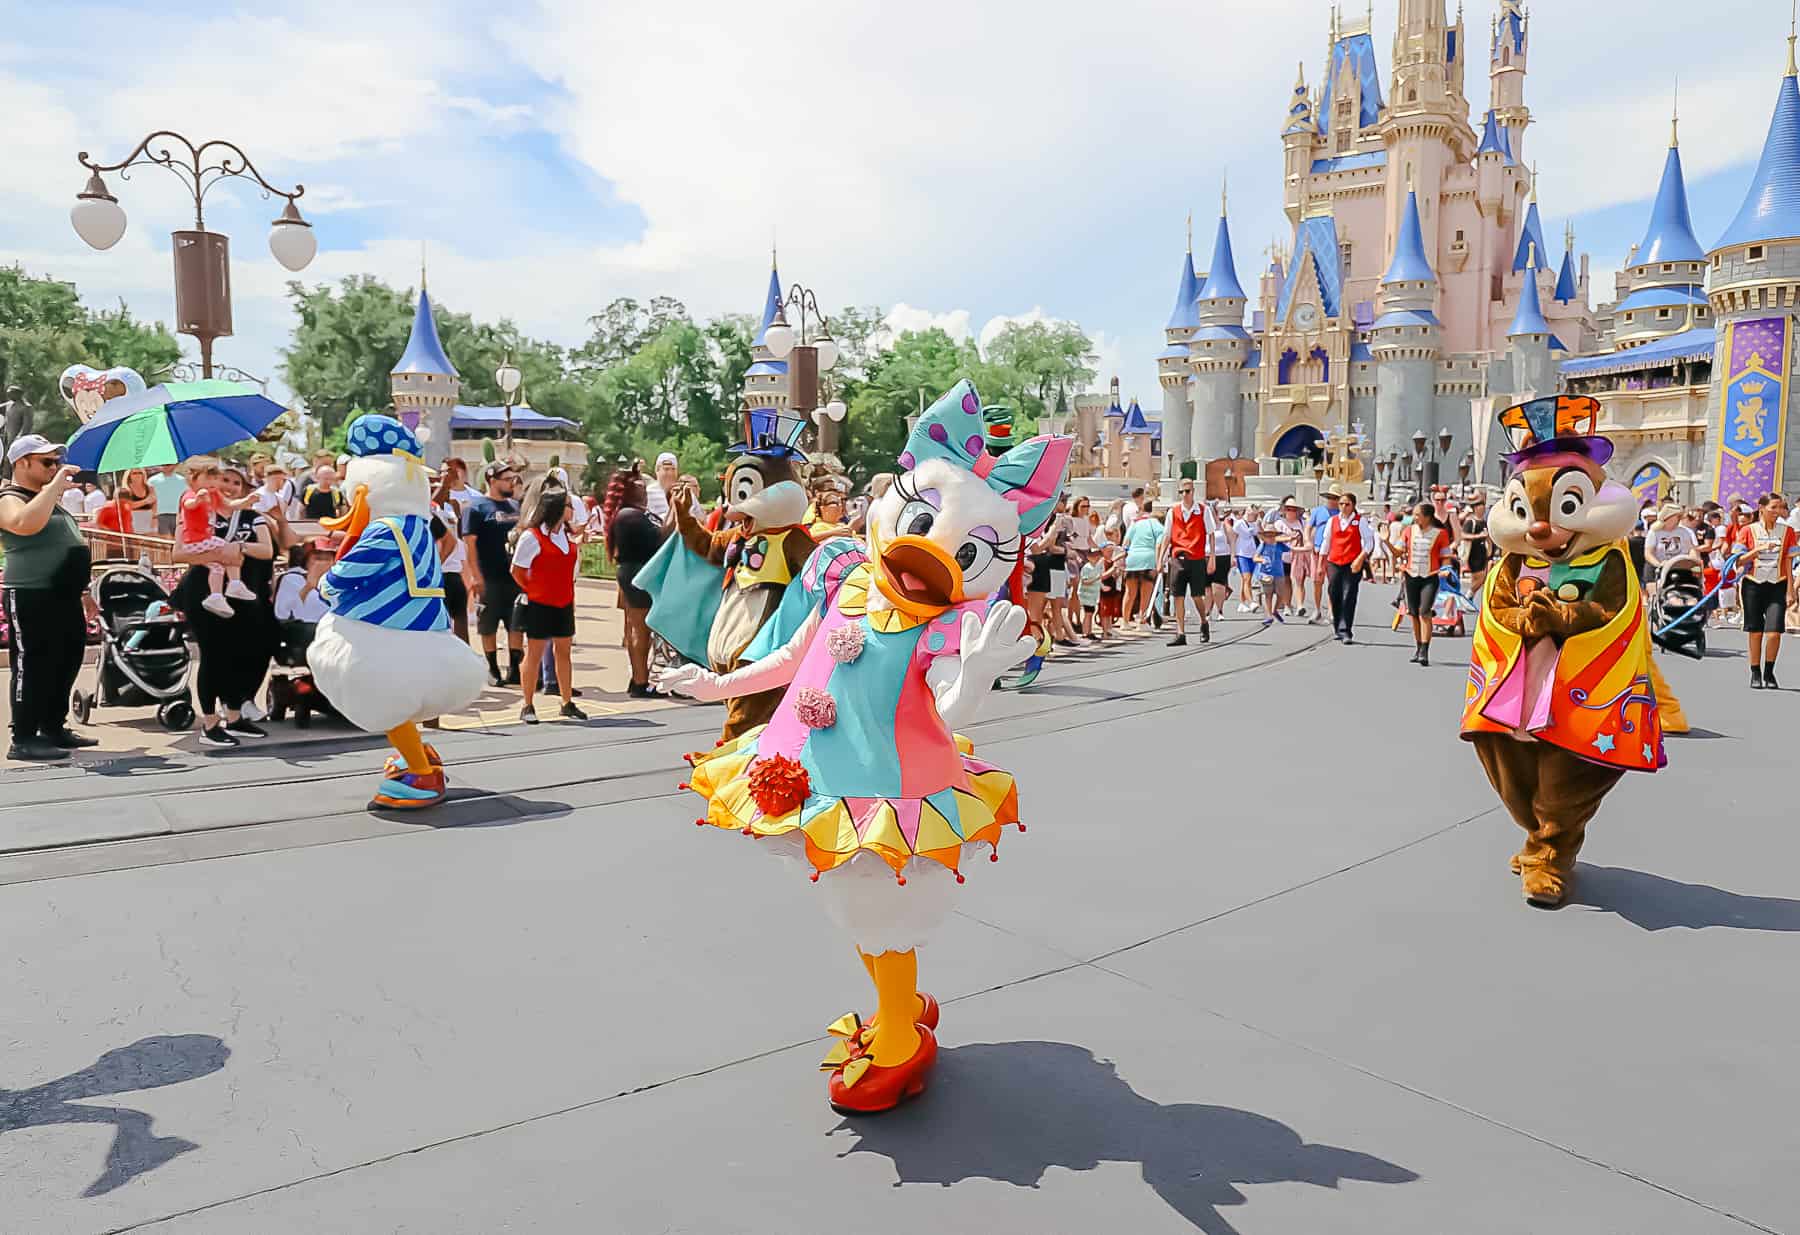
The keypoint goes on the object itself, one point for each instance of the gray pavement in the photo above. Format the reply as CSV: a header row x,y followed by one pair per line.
x,y
1257,966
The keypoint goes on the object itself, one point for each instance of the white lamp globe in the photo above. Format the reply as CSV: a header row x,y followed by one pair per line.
x,y
97,216
836,409
828,353
508,377
779,339
292,241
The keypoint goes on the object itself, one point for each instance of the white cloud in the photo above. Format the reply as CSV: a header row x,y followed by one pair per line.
x,y
904,317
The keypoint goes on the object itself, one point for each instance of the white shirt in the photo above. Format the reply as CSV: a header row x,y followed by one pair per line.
x,y
526,551
1669,543
656,502
452,565
266,501
74,501
291,607
1129,515
578,510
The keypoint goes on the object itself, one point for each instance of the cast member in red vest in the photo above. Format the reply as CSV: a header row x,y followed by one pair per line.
x,y
1187,542
1349,540
543,565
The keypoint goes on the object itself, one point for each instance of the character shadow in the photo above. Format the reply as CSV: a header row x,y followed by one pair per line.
x,y
1653,903
477,808
1009,1111
149,1063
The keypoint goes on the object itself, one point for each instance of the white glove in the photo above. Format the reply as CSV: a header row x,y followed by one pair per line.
x,y
989,648
691,680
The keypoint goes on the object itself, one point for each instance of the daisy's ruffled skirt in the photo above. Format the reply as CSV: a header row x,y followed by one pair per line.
x,y
832,830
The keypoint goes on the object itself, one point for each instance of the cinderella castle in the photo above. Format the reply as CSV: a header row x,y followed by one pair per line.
x,y
1419,294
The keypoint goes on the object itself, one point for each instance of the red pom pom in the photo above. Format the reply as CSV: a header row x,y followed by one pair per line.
x,y
681,784
994,856
959,877
900,879
778,785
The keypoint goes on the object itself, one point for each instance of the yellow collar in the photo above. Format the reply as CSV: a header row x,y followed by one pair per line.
x,y
853,601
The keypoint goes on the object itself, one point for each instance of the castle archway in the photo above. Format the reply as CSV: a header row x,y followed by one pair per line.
x,y
1299,441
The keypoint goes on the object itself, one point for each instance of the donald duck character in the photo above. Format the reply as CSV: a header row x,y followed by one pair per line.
x,y
385,655
860,773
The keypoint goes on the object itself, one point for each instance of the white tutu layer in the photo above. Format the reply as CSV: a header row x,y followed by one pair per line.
x,y
877,911
380,678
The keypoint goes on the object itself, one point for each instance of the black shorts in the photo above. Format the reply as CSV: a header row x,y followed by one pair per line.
x,y
496,607
456,595
1478,556
549,621
1765,607
1221,571
630,595
1421,595
1043,567
1189,577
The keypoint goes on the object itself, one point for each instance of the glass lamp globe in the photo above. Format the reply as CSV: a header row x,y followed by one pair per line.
x,y
508,377
291,239
828,353
779,339
97,216
836,409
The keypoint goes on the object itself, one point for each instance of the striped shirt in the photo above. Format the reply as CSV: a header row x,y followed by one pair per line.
x,y
390,577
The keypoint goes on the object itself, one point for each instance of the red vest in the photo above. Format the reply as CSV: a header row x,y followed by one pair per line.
x,y
550,579
1187,537
1345,544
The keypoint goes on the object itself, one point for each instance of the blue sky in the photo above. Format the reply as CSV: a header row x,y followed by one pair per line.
x,y
966,163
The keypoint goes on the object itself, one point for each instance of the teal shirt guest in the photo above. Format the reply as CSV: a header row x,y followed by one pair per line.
x,y
168,486
1141,540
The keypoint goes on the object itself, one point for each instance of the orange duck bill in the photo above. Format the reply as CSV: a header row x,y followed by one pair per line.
x,y
917,576
353,522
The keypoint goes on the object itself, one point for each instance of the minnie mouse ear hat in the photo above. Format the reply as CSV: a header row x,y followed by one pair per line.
x,y
1560,424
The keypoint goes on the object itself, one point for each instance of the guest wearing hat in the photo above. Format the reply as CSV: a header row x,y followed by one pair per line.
x,y
661,489
47,568
1667,541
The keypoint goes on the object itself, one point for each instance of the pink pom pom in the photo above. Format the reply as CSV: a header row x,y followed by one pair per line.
x,y
815,708
845,643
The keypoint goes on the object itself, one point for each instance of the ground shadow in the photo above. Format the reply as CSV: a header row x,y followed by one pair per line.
x,y
477,808
1654,903
149,1063
1696,734
1009,1111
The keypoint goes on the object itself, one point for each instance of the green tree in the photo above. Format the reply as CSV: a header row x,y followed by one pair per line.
x,y
1038,361
44,329
346,343
919,367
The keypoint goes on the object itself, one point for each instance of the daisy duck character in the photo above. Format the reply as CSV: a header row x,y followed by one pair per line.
x,y
385,655
1562,697
860,772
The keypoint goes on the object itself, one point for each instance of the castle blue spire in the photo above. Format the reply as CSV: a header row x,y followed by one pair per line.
x,y
424,353
1567,286
1186,314
1771,209
1671,234
1495,139
1531,234
771,303
1410,265
1221,280
1530,317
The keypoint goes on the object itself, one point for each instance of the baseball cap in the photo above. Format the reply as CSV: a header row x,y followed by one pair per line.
x,y
667,456
497,467
32,444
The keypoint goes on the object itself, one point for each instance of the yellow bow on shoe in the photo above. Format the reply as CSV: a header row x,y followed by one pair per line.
x,y
849,1052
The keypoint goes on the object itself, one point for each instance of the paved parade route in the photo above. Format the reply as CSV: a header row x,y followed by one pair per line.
x,y
1292,988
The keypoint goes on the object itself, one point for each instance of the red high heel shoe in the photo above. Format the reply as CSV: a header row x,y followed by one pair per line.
x,y
860,1086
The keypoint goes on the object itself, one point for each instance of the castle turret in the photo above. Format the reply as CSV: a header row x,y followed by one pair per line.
x,y
1219,350
1529,339
1666,271
1172,364
1405,341
1299,140
1568,286
1507,55
1531,235
766,380
425,386
1755,298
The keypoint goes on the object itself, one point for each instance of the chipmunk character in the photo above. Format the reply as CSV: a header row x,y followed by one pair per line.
x,y
1560,700
861,774
713,592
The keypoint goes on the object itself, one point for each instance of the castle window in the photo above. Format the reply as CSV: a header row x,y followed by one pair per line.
x,y
1628,317
1344,257
1755,254
1412,95
1668,267
1662,315
1718,260
1459,235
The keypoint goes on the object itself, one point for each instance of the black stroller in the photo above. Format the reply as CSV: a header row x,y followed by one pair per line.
x,y
143,658
1679,605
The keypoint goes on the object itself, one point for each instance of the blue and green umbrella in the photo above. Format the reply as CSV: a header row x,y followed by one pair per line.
x,y
170,423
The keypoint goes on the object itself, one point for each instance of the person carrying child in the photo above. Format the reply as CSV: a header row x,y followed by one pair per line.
x,y
199,506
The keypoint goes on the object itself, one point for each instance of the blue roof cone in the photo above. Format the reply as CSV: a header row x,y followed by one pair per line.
x,y
1530,317
1410,263
1671,234
1531,234
424,353
1567,287
771,305
1221,280
1186,314
1771,209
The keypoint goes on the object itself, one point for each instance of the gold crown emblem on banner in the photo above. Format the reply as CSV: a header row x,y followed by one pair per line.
x,y
1754,388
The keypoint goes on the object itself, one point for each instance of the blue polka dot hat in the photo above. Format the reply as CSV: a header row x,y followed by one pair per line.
x,y
381,435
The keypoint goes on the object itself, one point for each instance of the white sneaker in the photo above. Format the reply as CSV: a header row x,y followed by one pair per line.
x,y
237,589
251,712
217,604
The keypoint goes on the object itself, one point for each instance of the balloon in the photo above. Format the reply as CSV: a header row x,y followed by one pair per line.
x,y
85,388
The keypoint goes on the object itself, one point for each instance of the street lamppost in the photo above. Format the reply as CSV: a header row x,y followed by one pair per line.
x,y
1425,464
202,258
1384,472
809,351
507,377
1463,468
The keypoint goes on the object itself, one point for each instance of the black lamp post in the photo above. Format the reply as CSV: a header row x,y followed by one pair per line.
x,y
202,257
1426,460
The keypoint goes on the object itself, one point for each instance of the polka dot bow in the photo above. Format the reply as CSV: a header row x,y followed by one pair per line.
x,y
1030,475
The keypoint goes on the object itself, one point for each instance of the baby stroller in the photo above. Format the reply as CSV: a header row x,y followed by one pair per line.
x,y
1453,605
143,651
1680,606
291,685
